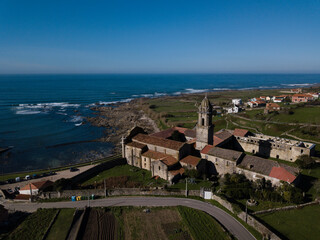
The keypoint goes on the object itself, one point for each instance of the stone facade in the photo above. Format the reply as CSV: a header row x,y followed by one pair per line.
x,y
204,128
274,147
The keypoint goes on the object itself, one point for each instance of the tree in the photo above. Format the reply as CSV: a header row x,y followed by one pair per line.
x,y
305,161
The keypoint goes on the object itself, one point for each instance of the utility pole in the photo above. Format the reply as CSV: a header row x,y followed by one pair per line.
x,y
105,190
89,200
246,211
186,187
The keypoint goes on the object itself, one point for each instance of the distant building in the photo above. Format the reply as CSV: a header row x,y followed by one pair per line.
x,y
302,98
297,90
271,107
234,109
237,102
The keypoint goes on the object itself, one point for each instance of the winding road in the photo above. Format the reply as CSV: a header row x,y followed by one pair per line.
x,y
229,222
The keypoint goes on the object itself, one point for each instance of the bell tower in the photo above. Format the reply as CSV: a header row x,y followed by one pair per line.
x,y
204,128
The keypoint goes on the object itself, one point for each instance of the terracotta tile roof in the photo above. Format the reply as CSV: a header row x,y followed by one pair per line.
x,y
166,143
168,132
301,95
206,149
154,154
163,134
272,105
136,145
227,154
37,185
192,160
169,160
220,137
176,172
282,174
240,132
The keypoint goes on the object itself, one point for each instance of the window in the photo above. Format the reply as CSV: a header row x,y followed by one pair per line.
x,y
253,151
159,168
202,121
301,150
277,157
227,163
290,148
145,165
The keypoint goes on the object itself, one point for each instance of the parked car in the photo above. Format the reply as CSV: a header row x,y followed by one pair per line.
x,y
18,179
34,176
73,169
11,180
28,177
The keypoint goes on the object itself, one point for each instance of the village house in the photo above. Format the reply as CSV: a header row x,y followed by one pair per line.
x,y
271,107
302,98
35,188
237,102
219,152
297,90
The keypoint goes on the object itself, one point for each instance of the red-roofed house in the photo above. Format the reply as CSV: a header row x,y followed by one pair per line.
x,y
302,98
35,187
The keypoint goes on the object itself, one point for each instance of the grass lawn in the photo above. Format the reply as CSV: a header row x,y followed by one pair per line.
x,y
201,225
59,229
196,186
34,226
295,224
263,205
135,174
305,114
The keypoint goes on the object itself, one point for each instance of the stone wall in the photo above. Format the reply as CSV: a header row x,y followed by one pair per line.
x,y
287,208
118,192
266,233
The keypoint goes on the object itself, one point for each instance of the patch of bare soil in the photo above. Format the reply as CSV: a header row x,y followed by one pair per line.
x,y
157,224
100,225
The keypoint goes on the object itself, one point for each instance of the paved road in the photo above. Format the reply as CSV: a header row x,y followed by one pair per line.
x,y
230,223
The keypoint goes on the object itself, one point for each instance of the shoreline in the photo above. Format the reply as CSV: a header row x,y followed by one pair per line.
x,y
118,118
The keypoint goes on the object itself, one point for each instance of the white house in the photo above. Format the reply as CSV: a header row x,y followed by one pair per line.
x,y
234,109
237,101
35,187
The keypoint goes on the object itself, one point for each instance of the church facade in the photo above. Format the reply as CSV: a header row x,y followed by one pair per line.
x,y
218,152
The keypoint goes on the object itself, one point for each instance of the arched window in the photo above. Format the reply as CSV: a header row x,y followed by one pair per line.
x,y
202,121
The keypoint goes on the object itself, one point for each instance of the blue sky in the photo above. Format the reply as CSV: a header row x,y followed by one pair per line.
x,y
160,36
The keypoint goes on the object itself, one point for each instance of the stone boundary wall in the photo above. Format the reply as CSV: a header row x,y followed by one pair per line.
x,y
118,192
287,207
251,221
96,169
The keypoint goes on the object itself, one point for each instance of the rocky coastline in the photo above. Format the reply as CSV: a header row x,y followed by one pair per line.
x,y
118,119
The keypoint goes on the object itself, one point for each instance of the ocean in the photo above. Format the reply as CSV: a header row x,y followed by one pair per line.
x,y
41,116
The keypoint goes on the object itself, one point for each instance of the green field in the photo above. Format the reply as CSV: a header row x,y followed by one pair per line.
x,y
60,228
298,224
135,174
201,225
34,226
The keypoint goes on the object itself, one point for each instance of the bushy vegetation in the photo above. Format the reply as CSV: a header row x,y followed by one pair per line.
x,y
238,187
305,162
201,225
35,225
